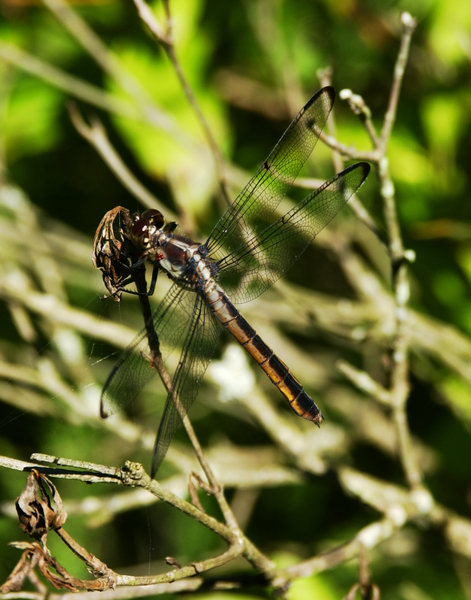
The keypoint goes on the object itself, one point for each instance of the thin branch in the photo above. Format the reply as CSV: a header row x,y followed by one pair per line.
x,y
110,64
400,283
68,83
296,443
349,152
359,107
408,24
399,506
133,475
94,46
95,134
216,487
364,382
325,77
263,17
166,39
399,385
60,312
373,534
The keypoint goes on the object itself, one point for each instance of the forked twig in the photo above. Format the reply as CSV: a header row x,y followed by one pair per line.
x,y
325,77
399,385
133,475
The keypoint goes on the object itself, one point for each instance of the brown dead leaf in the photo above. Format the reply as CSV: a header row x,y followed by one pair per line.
x,y
35,507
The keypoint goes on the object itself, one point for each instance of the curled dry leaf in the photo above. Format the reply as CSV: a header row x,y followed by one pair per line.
x,y
29,559
110,250
35,556
35,507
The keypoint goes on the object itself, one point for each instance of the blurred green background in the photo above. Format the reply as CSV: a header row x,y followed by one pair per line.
x,y
251,65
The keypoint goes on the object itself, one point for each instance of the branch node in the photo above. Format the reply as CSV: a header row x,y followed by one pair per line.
x,y
132,472
408,22
356,103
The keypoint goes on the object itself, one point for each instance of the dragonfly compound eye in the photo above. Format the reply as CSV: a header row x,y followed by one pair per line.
x,y
154,218
138,226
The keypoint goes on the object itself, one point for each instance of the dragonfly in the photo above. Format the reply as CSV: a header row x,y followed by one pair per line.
x,y
247,251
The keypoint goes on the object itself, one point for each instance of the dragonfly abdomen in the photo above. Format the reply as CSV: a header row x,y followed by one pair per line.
x,y
278,373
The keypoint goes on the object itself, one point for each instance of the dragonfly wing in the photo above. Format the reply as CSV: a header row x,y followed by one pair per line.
x,y
133,370
198,350
254,267
260,197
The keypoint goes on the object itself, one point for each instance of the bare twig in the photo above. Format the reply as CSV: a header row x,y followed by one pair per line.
x,y
93,45
263,17
400,346
95,134
133,474
97,50
369,536
354,203
364,382
399,385
349,152
165,37
66,82
408,24
359,107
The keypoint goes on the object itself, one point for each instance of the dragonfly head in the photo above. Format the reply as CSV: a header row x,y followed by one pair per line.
x,y
144,226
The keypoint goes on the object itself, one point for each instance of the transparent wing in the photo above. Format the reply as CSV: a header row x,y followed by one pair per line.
x,y
263,193
198,350
133,371
255,266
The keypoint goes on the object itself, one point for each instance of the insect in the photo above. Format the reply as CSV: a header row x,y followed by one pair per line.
x,y
240,260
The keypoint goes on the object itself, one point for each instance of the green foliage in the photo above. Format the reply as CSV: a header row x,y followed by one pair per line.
x,y
31,126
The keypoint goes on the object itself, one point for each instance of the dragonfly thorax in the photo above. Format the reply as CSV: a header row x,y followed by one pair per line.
x,y
184,260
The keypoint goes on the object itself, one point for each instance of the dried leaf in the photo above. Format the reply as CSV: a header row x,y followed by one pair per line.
x,y
59,512
34,507
110,250
62,579
27,562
